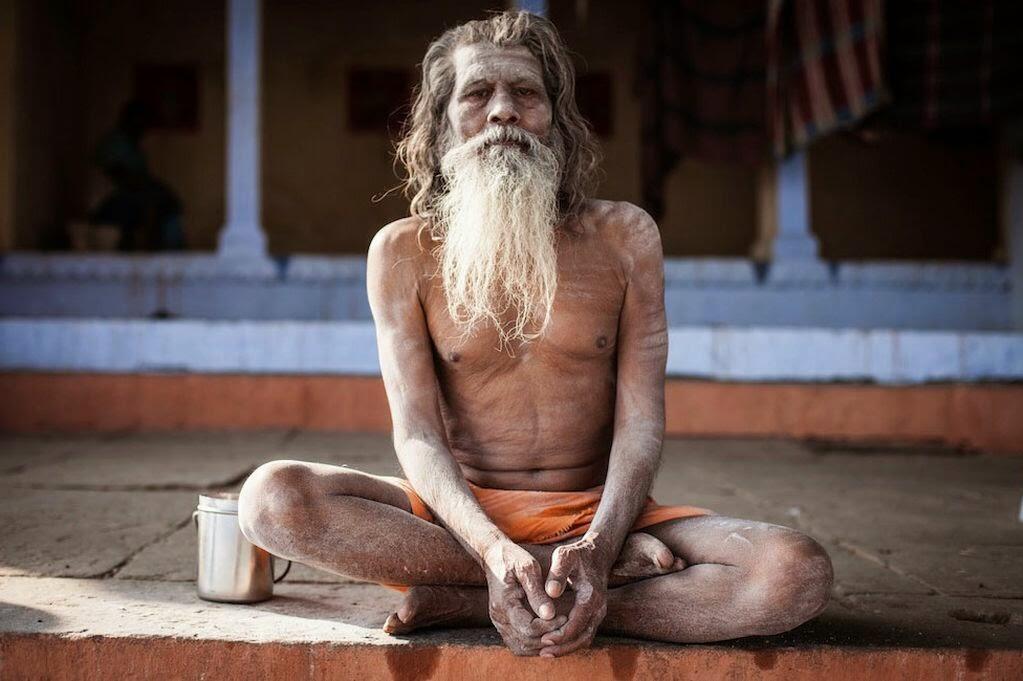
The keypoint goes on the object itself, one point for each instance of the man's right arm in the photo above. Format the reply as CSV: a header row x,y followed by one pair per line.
x,y
406,364
393,273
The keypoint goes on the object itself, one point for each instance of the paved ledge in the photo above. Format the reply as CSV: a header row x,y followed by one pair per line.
x,y
698,291
678,271
120,629
97,561
349,348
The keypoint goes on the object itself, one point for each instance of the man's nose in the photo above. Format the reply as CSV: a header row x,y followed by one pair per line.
x,y
502,109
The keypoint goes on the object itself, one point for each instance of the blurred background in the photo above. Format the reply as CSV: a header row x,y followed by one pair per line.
x,y
187,192
188,189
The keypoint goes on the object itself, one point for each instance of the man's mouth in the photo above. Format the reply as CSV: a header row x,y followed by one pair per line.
x,y
507,143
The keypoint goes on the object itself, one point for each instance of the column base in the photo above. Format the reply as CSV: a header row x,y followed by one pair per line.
x,y
795,247
246,241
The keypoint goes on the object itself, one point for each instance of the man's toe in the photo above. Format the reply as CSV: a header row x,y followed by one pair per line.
x,y
394,625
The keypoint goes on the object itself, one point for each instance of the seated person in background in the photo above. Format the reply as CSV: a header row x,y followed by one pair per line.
x,y
523,342
145,210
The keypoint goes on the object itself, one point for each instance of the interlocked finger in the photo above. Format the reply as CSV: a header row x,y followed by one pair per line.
x,y
572,645
531,580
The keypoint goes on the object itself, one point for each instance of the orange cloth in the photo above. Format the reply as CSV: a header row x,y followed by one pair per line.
x,y
531,517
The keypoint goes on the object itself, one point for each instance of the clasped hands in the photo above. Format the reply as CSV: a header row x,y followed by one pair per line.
x,y
522,602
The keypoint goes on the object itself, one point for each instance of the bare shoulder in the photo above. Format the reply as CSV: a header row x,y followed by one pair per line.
x,y
628,230
399,251
396,266
400,239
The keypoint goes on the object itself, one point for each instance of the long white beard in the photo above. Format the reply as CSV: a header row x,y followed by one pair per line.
x,y
496,227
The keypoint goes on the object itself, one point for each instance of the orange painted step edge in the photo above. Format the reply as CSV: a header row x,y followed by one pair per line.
x,y
49,656
977,416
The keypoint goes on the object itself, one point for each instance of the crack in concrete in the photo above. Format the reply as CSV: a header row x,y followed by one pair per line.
x,y
865,554
69,450
22,467
166,487
145,545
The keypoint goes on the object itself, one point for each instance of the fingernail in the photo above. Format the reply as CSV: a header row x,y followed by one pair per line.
x,y
546,641
547,611
552,587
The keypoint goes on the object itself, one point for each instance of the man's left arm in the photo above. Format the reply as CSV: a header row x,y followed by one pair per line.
x,y
636,446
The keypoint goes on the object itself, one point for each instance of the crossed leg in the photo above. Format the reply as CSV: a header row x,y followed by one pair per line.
x,y
743,577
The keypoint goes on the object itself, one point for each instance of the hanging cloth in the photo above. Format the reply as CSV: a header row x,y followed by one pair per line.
x,y
823,67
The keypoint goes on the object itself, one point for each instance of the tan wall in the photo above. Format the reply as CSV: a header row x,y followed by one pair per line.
x,y
7,137
710,208
905,197
47,121
119,34
319,177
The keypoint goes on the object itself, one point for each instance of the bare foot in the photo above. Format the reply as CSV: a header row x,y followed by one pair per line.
x,y
642,556
432,606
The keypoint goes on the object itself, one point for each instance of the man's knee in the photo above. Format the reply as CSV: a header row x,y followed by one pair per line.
x,y
273,500
790,584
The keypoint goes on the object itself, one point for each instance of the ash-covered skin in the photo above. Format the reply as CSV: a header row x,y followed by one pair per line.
x,y
582,405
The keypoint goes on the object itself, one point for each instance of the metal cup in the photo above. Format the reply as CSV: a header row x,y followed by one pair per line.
x,y
231,568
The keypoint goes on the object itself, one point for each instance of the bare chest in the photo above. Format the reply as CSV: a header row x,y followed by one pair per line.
x,y
583,328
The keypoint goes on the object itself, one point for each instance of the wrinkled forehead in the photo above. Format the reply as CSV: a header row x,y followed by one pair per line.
x,y
495,63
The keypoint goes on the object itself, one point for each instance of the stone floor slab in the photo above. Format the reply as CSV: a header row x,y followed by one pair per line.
x,y
976,569
173,559
156,461
82,533
18,453
353,448
926,548
347,613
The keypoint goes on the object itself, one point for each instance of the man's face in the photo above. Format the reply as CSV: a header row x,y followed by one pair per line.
x,y
498,213
497,87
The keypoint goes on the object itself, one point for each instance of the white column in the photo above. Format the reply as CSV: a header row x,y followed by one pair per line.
x,y
538,7
794,240
242,235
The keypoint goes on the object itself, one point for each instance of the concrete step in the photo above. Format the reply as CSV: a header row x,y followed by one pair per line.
x,y
115,628
755,354
975,416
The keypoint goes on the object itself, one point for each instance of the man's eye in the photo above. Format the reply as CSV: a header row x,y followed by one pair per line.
x,y
526,92
476,94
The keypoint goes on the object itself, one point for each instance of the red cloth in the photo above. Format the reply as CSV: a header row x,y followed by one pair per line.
x,y
824,67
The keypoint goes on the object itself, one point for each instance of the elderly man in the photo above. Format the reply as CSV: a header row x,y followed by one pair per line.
x,y
522,342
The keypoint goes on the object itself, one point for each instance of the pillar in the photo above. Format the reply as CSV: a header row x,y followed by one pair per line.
x,y
242,235
794,240
538,7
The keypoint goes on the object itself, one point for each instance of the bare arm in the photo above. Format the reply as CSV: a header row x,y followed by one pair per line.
x,y
635,448
639,401
406,363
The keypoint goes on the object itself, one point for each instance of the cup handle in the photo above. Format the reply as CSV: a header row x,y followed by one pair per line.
x,y
283,574
195,519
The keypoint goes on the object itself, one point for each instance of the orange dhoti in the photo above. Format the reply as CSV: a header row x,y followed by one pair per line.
x,y
533,517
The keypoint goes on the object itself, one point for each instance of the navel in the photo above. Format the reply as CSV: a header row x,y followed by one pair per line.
x,y
601,341
454,356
